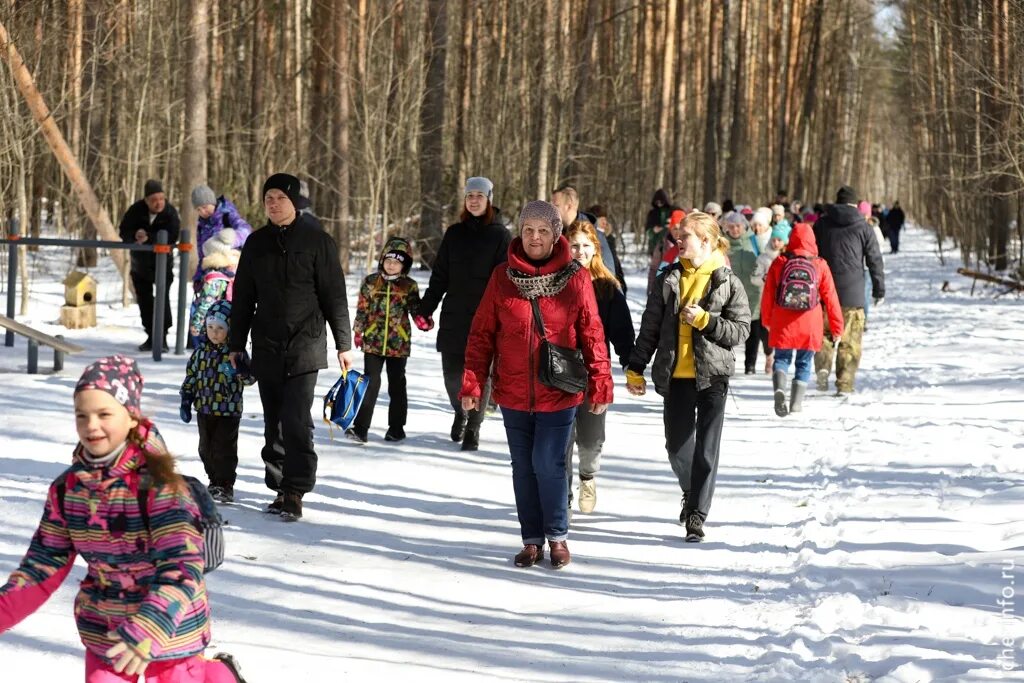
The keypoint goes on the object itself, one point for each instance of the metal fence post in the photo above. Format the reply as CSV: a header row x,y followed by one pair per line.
x,y
161,249
12,283
184,247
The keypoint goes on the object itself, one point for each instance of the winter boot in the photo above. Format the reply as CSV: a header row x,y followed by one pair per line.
x,y
530,555
471,439
779,385
357,436
458,427
796,397
694,527
822,378
231,664
395,434
559,554
275,507
291,511
588,495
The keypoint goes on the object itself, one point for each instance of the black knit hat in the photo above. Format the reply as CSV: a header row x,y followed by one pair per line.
x,y
399,249
846,195
288,184
152,187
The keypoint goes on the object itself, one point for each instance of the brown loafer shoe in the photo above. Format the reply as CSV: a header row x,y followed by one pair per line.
x,y
559,554
530,555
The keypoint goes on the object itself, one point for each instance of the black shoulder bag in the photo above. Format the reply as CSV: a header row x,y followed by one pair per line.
x,y
560,367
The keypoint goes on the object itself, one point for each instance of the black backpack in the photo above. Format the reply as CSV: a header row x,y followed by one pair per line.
x,y
210,519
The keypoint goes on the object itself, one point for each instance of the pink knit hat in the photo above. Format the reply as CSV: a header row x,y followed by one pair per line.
x,y
864,208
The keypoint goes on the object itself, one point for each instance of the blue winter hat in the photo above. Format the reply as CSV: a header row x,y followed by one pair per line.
x,y
220,314
480,184
782,231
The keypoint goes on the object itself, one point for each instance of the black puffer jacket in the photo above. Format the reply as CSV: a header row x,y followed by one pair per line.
x,y
847,242
713,356
468,254
136,218
617,321
289,282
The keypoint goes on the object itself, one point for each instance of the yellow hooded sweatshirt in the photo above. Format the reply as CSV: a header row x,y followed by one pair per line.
x,y
693,284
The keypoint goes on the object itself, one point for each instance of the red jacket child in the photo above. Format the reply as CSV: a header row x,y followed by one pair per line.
x,y
800,330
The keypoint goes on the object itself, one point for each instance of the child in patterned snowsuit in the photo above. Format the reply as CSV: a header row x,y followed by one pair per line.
x,y
387,300
142,605
215,282
215,387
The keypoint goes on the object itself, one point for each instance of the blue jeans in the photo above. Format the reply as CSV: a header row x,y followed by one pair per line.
x,y
537,442
804,361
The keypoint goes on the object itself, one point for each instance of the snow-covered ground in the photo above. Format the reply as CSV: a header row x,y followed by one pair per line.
x,y
863,540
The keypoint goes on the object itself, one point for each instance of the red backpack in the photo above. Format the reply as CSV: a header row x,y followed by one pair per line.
x,y
798,285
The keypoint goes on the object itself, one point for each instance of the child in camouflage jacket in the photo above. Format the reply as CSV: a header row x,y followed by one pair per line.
x,y
387,301
215,387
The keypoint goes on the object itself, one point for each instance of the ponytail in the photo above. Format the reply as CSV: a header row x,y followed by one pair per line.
x,y
159,462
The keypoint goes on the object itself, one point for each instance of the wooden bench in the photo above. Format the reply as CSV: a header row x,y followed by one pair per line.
x,y
59,345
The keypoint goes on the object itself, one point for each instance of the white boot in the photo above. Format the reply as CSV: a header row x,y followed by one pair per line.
x,y
588,495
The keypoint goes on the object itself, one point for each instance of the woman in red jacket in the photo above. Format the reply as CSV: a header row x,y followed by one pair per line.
x,y
791,310
538,418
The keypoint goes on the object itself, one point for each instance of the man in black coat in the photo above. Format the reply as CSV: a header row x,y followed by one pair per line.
x,y
470,251
847,242
893,224
140,225
289,283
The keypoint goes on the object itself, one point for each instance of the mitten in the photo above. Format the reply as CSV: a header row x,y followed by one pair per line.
x,y
358,340
425,323
185,411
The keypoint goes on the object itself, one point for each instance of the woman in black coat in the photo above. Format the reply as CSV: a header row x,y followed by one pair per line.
x,y
470,250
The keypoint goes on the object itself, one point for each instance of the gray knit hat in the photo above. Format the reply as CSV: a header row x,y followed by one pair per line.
x,y
203,195
479,184
539,209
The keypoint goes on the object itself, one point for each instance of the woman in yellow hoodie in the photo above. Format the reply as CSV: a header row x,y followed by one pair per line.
x,y
696,313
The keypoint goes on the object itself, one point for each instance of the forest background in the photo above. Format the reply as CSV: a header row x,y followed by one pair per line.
x,y
386,106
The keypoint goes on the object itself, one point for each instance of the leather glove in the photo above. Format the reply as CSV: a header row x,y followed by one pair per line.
x,y
358,340
185,411
879,301
425,323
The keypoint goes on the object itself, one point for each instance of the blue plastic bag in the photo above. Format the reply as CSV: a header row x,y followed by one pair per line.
x,y
342,402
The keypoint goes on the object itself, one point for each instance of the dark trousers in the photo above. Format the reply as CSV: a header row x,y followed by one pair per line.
x,y
693,435
758,335
398,407
894,240
452,366
587,436
144,288
288,453
536,442
218,447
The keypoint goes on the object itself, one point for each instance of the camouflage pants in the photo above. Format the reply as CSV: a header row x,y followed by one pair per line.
x,y
847,356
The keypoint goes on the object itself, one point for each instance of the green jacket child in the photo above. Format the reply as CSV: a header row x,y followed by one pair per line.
x,y
386,304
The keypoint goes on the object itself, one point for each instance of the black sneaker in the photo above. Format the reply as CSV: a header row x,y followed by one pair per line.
x,y
395,434
694,527
276,506
292,509
471,440
458,428
355,435
232,665
146,345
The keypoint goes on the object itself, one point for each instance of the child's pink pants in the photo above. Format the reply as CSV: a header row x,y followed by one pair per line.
x,y
195,669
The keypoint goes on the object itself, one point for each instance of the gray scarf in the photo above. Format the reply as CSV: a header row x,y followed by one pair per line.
x,y
535,286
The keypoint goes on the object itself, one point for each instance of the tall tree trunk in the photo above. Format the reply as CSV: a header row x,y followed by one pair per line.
x,y
340,165
193,158
582,58
665,104
432,129
712,113
808,110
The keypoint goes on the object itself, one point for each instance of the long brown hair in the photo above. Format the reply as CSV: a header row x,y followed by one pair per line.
x,y
159,461
605,283
487,217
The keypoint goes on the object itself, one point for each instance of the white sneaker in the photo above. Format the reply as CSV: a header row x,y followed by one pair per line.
x,y
588,495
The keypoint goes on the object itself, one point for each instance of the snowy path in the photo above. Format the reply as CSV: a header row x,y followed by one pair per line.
x,y
865,540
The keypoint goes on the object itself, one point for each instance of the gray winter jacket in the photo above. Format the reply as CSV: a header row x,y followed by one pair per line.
x,y
713,357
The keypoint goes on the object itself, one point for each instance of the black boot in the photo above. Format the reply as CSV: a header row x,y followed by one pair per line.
x,y
471,439
458,427
146,345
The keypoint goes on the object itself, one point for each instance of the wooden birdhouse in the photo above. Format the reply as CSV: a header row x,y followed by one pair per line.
x,y
79,308
79,289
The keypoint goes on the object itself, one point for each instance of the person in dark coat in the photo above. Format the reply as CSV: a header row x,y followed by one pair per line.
x,y
469,252
847,242
288,285
606,236
696,314
893,224
140,225
566,199
588,432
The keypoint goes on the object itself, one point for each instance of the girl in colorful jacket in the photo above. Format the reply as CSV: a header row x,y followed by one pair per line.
x,y
142,607
387,300
215,214
798,331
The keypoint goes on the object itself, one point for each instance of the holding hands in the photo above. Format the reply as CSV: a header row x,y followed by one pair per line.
x,y
424,323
